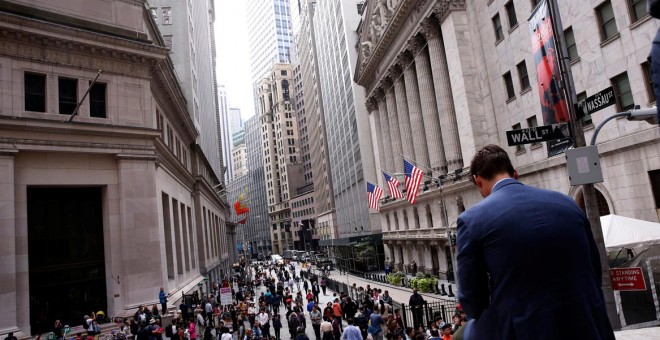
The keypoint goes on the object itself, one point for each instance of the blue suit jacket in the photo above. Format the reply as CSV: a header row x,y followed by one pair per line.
x,y
528,267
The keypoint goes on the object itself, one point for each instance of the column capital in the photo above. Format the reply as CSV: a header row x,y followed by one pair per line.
x,y
372,104
416,44
404,59
443,7
430,28
386,83
379,93
394,72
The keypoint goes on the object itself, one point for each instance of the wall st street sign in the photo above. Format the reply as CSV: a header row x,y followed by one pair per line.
x,y
596,102
538,134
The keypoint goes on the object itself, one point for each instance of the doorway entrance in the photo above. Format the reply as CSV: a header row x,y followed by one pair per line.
x,y
65,255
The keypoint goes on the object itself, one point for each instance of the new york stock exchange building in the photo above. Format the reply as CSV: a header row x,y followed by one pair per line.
x,y
445,78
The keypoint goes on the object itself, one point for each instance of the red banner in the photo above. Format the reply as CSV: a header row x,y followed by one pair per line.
x,y
553,102
240,208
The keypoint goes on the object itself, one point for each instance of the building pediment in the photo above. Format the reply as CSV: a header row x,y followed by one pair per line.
x,y
382,23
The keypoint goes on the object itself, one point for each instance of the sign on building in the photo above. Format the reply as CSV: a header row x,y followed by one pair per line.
x,y
538,134
627,278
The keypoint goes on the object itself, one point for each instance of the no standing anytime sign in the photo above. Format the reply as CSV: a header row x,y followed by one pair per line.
x,y
627,279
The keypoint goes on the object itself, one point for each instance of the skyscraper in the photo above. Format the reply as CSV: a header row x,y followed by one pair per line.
x,y
346,119
257,230
270,35
281,156
314,150
224,133
193,55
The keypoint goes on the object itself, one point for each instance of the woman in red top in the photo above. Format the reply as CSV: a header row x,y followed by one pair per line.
x,y
327,312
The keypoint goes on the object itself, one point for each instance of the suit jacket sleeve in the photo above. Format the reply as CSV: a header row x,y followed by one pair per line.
x,y
473,291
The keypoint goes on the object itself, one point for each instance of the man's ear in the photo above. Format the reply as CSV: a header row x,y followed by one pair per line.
x,y
515,174
478,181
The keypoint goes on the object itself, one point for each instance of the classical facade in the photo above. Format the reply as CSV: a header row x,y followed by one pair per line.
x,y
281,156
105,202
439,78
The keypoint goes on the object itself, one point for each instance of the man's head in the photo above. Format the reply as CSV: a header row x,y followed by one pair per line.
x,y
414,291
446,329
488,166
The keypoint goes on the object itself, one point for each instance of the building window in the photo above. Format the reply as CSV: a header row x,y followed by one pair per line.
x,y
154,13
519,148
571,45
167,39
167,15
97,97
532,122
68,95
35,92
623,92
586,120
606,21
654,176
508,84
523,76
511,15
637,9
648,81
497,25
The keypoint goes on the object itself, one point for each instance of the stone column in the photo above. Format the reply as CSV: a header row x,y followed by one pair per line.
x,y
377,139
383,115
14,294
425,255
429,108
393,120
402,113
443,94
406,257
414,109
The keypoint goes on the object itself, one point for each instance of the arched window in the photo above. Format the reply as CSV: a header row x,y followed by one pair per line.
x,y
603,207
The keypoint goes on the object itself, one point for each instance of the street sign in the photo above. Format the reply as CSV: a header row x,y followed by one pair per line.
x,y
597,102
627,279
538,134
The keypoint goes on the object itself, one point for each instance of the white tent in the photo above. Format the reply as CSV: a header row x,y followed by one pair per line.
x,y
627,232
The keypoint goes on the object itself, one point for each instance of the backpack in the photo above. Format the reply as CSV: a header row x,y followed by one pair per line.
x,y
168,331
143,334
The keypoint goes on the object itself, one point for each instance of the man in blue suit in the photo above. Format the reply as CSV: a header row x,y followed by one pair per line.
x,y
528,266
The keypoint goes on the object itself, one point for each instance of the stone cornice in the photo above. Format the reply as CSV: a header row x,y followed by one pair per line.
x,y
61,126
17,27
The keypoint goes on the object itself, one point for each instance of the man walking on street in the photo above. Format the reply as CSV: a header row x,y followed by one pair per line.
x,y
507,242
351,332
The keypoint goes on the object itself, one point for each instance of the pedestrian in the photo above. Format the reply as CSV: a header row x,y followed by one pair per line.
x,y
316,290
58,330
316,317
162,298
326,330
337,310
192,330
327,311
351,332
323,285
293,323
336,328
416,303
277,325
376,325
300,334
264,321
414,268
11,336
505,244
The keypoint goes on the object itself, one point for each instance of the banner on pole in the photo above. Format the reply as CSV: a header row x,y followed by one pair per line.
x,y
554,107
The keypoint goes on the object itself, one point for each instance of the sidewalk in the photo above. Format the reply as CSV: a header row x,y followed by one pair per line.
x,y
650,333
399,294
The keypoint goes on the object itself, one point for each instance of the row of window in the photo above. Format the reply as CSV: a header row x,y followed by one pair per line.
x,y
622,91
166,13
523,78
301,203
604,14
35,94
304,212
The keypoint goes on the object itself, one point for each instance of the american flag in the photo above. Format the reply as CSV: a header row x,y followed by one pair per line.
x,y
393,185
373,194
414,177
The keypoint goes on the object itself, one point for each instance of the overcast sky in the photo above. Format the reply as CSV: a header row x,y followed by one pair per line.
x,y
233,58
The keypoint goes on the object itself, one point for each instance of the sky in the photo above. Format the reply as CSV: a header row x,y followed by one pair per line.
x,y
233,60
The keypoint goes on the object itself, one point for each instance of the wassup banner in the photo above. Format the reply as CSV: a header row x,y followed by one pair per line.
x,y
553,102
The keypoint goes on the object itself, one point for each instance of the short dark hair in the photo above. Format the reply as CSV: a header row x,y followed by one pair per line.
x,y
491,160
434,332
